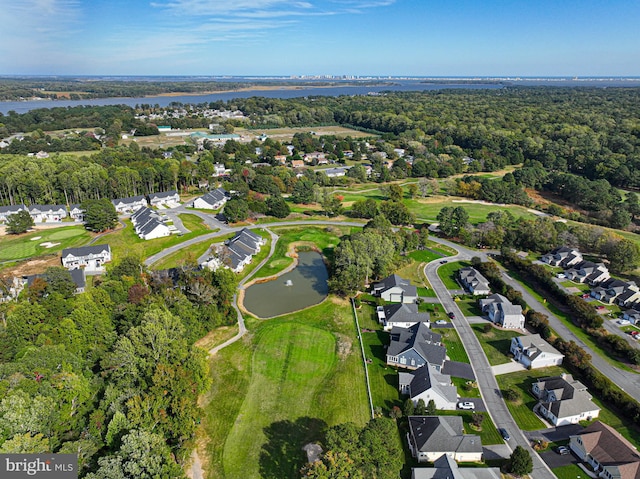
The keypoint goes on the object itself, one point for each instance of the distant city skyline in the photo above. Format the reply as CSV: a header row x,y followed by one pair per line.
x,y
432,38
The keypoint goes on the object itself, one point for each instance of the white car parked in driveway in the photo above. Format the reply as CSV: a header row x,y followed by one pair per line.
x,y
623,322
466,405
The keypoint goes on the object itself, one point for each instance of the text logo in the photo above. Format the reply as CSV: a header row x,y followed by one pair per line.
x,y
45,466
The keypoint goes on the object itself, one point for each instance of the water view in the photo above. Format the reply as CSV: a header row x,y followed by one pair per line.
x,y
305,286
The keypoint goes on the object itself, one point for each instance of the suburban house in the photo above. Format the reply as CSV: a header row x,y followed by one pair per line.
x,y
610,290
428,384
92,258
76,213
218,169
297,163
401,315
315,157
395,289
564,400
431,437
501,311
628,298
563,256
609,454
534,352
632,315
413,347
588,272
10,210
77,275
129,205
445,467
238,251
170,199
212,200
473,281
148,224
47,213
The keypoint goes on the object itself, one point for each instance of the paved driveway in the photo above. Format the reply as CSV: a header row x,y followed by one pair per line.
x,y
510,367
554,434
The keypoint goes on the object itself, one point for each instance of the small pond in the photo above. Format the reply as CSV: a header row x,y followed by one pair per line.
x,y
302,287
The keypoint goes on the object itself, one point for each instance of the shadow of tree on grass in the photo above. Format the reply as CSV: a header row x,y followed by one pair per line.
x,y
282,455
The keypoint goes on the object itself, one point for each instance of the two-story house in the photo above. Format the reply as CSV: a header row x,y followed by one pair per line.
x,y
92,258
534,352
501,311
564,400
473,281
129,205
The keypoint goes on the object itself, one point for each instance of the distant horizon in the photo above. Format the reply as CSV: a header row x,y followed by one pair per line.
x,y
466,38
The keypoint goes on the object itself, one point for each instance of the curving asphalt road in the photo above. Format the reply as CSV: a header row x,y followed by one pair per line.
x,y
487,384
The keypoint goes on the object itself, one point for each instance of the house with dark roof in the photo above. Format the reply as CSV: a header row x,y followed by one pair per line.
x,y
608,453
413,347
588,272
401,315
47,213
212,200
77,276
473,281
564,400
148,224
428,384
91,258
446,467
10,210
611,289
395,290
170,199
632,315
76,212
628,298
534,352
501,311
129,205
431,437
237,252
563,257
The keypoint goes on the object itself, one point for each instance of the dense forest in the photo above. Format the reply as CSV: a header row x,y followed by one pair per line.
x,y
111,374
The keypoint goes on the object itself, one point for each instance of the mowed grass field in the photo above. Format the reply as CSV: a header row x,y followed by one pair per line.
x,y
14,247
279,388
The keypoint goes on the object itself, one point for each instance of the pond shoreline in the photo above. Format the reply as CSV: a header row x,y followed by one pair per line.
x,y
292,252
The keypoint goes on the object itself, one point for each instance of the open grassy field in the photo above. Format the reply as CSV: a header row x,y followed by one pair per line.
x,y
448,273
414,272
281,134
521,381
325,238
125,241
14,247
278,388
427,209
495,343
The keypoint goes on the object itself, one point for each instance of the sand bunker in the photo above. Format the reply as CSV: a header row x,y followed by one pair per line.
x,y
49,244
36,238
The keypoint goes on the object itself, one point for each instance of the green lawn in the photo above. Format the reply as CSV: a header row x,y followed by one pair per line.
x,y
489,434
495,343
521,381
125,241
463,390
570,471
448,273
469,307
278,388
455,348
188,254
27,245
324,238
424,256
427,209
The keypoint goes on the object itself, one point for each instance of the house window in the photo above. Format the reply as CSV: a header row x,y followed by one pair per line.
x,y
413,362
403,360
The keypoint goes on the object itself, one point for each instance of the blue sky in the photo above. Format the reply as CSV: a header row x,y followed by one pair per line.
x,y
316,37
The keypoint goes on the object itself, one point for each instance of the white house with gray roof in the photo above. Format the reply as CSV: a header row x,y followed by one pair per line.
x,y
413,347
170,199
431,437
401,315
428,384
47,213
446,467
148,224
91,258
129,205
473,281
6,211
564,400
502,311
76,212
534,352
395,289
212,200
562,256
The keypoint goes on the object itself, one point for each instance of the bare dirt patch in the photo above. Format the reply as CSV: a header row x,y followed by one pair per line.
x,y
34,266
343,346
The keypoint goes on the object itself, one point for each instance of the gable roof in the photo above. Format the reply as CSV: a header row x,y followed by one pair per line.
x,y
404,313
610,448
425,378
419,338
162,194
445,467
442,434
535,346
86,250
214,196
396,281
129,201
